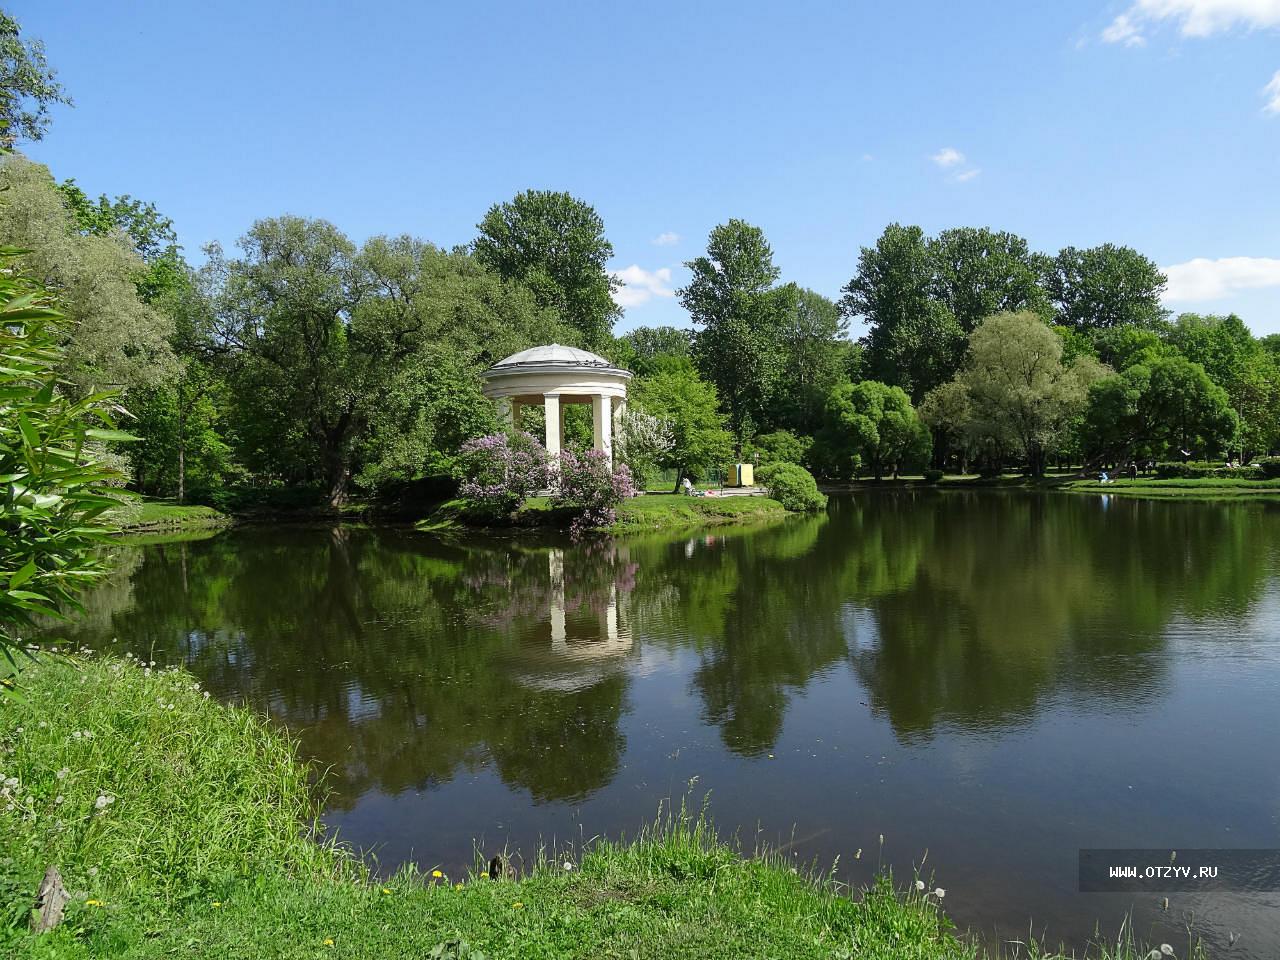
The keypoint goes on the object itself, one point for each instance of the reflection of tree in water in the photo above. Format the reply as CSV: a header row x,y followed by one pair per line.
x,y
403,660
1018,597
368,644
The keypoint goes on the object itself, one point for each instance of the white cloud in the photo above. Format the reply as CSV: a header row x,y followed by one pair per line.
x,y
948,157
964,176
1194,18
1123,30
1205,279
1272,92
638,285
668,238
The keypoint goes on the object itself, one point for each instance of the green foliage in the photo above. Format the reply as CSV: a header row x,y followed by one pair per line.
x,y
1021,395
933,476
731,298
1156,407
28,84
1106,286
113,338
873,426
781,446
642,347
915,341
980,272
676,395
53,489
947,411
792,486
814,356
554,244
1269,467
1199,469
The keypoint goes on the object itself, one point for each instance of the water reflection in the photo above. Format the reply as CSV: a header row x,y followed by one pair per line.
x,y
511,675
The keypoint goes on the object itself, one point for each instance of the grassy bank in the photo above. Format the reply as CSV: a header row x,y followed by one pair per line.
x,y
142,515
1181,488
670,511
184,828
653,511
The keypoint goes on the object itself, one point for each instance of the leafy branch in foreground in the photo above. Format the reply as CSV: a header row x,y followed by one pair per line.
x,y
54,493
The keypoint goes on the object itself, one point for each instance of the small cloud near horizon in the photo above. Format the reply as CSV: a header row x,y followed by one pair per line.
x,y
668,238
636,285
1202,279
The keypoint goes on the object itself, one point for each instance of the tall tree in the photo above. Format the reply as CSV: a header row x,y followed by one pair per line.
x,y
979,272
28,86
554,244
1020,391
732,300
1106,286
287,308
642,346
114,337
914,340
814,352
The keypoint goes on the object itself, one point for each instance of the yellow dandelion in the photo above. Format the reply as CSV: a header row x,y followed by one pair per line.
x,y
94,903
328,941
517,905
216,903
437,874
458,886
386,891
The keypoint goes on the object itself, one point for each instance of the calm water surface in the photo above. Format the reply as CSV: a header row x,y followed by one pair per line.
x,y
996,679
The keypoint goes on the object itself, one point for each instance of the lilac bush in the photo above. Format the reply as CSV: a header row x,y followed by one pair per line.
x,y
502,471
588,484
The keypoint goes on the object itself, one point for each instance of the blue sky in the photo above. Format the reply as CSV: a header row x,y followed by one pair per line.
x,y
1153,123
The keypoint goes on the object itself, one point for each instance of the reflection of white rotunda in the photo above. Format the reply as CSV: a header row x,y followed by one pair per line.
x,y
585,649
554,376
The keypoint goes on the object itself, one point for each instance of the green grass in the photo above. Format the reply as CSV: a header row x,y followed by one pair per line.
x,y
161,514
653,511
664,511
207,849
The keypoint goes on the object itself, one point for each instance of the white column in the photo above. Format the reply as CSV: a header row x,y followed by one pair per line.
x,y
506,414
602,425
551,404
559,633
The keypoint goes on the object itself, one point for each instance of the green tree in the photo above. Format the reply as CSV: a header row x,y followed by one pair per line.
x,y
675,394
53,489
1106,286
978,272
732,300
914,340
1240,365
113,337
643,345
1158,406
948,413
877,425
1020,392
555,245
28,86
813,358
286,307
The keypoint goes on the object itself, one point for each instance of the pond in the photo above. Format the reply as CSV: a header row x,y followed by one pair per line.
x,y
996,678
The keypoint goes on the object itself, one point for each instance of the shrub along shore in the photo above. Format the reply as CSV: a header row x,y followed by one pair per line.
x,y
185,827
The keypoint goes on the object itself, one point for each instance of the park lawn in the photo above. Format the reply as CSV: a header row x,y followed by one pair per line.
x,y
1182,488
142,514
665,511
